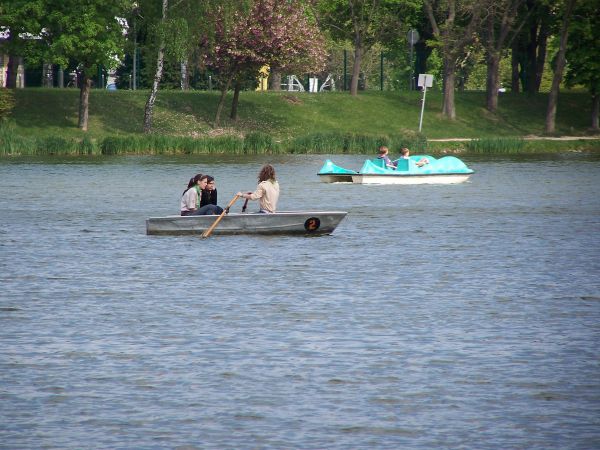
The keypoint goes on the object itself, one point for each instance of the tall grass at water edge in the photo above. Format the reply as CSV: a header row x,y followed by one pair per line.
x,y
495,146
323,143
14,144
508,146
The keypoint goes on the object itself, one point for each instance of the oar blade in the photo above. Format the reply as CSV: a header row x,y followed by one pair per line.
x,y
208,232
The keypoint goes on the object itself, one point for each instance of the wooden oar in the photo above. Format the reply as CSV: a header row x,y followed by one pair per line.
x,y
214,225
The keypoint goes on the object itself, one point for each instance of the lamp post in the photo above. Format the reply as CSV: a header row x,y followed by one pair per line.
x,y
412,37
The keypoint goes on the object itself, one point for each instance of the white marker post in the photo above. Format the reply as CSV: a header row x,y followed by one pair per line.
x,y
425,81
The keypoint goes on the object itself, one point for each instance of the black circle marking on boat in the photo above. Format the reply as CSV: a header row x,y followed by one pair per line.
x,y
312,224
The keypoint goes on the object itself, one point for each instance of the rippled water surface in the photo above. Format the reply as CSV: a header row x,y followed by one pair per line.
x,y
462,316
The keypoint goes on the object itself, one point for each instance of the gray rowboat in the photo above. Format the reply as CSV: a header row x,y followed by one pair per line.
x,y
284,222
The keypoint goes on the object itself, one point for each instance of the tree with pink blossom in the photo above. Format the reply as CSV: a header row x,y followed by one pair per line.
x,y
274,33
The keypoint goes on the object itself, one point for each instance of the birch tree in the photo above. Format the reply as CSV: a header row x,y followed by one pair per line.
x,y
160,59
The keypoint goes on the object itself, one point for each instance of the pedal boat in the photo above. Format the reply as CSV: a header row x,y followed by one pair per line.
x,y
445,170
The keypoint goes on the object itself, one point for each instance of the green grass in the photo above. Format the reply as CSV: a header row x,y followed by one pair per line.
x,y
45,121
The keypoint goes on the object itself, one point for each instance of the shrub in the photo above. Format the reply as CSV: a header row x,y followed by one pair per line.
x,y
7,102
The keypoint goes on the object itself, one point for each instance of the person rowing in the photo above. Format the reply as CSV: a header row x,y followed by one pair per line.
x,y
267,191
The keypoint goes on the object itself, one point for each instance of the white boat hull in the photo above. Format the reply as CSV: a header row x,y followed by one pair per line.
x,y
372,178
285,222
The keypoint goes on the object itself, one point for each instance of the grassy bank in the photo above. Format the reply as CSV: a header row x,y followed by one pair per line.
x,y
44,121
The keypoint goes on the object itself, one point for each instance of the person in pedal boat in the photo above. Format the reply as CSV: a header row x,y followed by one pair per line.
x,y
383,154
190,200
267,191
405,154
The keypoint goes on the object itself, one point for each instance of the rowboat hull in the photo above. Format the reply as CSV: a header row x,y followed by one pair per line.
x,y
285,222
410,179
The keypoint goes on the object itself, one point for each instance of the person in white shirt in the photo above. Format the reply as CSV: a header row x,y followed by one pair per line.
x,y
267,191
190,200
405,154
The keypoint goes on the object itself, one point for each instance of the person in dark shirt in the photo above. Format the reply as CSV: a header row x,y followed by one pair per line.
x,y
383,154
209,193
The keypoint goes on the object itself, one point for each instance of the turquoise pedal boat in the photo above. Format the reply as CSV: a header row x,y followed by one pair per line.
x,y
445,170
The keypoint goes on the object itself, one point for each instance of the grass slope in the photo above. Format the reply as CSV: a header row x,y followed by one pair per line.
x,y
44,113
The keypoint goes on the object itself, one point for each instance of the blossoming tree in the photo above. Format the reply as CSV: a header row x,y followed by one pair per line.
x,y
274,33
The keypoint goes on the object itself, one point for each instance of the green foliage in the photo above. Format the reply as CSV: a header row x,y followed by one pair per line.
x,y
476,80
499,145
583,47
87,32
7,103
332,142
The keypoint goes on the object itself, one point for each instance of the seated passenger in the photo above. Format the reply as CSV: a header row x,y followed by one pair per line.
x,y
191,198
209,194
405,154
383,154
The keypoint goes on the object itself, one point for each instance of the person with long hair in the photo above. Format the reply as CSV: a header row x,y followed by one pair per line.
x,y
267,191
191,198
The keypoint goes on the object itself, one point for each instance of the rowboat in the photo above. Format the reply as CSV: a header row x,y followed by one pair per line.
x,y
445,170
284,222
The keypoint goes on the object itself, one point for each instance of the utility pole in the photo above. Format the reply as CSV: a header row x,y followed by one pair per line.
x,y
412,37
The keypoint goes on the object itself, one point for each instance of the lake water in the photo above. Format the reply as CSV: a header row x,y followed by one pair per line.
x,y
434,317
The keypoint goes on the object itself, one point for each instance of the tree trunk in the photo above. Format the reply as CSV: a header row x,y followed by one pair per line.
x,y
12,66
595,111
185,79
448,107
149,109
529,83
224,90
560,67
358,54
235,101
492,81
515,76
275,80
541,55
84,102
11,71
